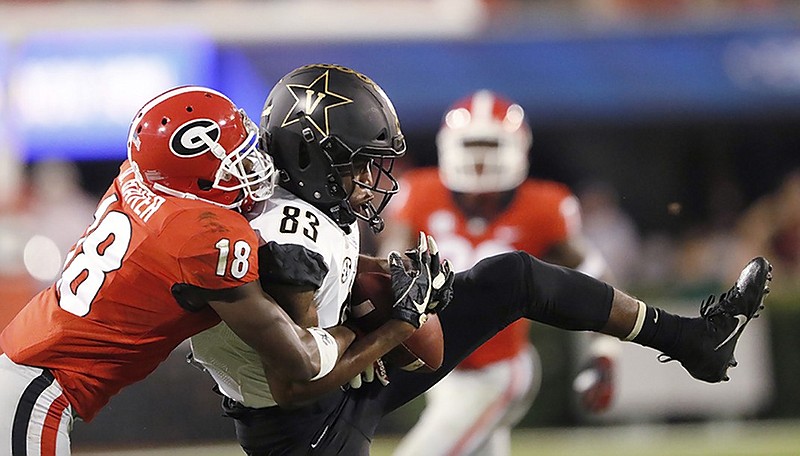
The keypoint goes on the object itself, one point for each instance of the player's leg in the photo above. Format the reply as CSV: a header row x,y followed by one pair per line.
x,y
466,408
499,443
704,345
35,417
502,288
334,424
273,430
486,299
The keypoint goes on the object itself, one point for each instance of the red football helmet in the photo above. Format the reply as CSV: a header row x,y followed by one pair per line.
x,y
483,144
193,142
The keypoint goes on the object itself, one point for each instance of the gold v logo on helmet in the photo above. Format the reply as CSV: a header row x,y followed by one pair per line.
x,y
311,103
314,100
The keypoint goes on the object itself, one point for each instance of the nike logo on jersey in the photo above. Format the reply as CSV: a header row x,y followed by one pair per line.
x,y
741,320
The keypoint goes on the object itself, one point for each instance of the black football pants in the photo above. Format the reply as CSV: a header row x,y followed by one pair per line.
x,y
487,298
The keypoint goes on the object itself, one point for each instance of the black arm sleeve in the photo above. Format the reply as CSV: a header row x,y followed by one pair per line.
x,y
290,264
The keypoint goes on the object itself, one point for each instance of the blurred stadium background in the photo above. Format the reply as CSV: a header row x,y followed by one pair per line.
x,y
676,121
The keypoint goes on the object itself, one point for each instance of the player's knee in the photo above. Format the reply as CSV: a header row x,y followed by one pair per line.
x,y
501,272
521,285
565,298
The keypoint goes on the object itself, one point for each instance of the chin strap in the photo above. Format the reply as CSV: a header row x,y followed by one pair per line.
x,y
344,216
191,196
376,223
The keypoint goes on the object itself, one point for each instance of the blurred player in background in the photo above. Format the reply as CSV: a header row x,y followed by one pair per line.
x,y
167,255
334,135
479,203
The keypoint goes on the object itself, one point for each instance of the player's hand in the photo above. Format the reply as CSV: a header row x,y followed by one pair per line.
x,y
442,277
411,287
595,384
376,371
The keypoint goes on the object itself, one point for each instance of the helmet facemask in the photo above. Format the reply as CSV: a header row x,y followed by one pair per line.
x,y
483,165
483,145
347,162
245,168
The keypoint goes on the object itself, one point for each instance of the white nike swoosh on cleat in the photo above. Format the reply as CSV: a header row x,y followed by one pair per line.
x,y
741,320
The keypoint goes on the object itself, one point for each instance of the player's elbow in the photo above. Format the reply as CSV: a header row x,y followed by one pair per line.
x,y
306,370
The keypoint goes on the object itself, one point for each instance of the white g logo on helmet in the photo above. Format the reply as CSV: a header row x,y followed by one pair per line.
x,y
194,138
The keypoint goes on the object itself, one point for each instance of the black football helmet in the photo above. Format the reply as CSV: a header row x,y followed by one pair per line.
x,y
316,121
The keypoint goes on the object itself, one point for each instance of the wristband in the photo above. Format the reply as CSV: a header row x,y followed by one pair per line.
x,y
637,327
328,350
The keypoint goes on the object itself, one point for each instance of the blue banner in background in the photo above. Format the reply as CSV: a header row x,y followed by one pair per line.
x,y
623,78
74,95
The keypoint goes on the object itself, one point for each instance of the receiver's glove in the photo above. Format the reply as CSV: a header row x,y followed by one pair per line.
x,y
442,277
375,371
411,288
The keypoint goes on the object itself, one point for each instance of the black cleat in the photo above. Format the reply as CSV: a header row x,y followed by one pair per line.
x,y
725,320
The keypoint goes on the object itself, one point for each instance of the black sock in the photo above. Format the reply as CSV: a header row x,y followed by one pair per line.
x,y
660,330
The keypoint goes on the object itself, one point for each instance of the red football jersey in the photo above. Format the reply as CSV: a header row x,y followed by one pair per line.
x,y
542,214
111,319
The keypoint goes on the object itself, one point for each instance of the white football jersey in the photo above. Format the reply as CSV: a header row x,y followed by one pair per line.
x,y
285,220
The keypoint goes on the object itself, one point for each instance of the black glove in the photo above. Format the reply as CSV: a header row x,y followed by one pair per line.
x,y
442,277
411,287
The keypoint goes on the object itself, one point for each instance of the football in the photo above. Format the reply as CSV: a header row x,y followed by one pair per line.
x,y
372,302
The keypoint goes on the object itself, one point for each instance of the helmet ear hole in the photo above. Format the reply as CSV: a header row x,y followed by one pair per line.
x,y
205,185
382,136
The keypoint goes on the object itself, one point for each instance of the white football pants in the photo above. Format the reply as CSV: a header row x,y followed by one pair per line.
x,y
35,417
472,411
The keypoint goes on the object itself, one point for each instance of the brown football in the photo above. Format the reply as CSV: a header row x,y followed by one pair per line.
x,y
372,306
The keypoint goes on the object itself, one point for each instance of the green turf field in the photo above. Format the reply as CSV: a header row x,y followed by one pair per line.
x,y
777,438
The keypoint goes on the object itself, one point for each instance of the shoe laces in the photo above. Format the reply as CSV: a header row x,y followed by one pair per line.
x,y
711,307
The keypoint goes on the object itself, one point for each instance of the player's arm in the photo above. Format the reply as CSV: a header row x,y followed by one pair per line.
x,y
299,302
292,274
568,246
577,253
284,346
358,356
218,267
